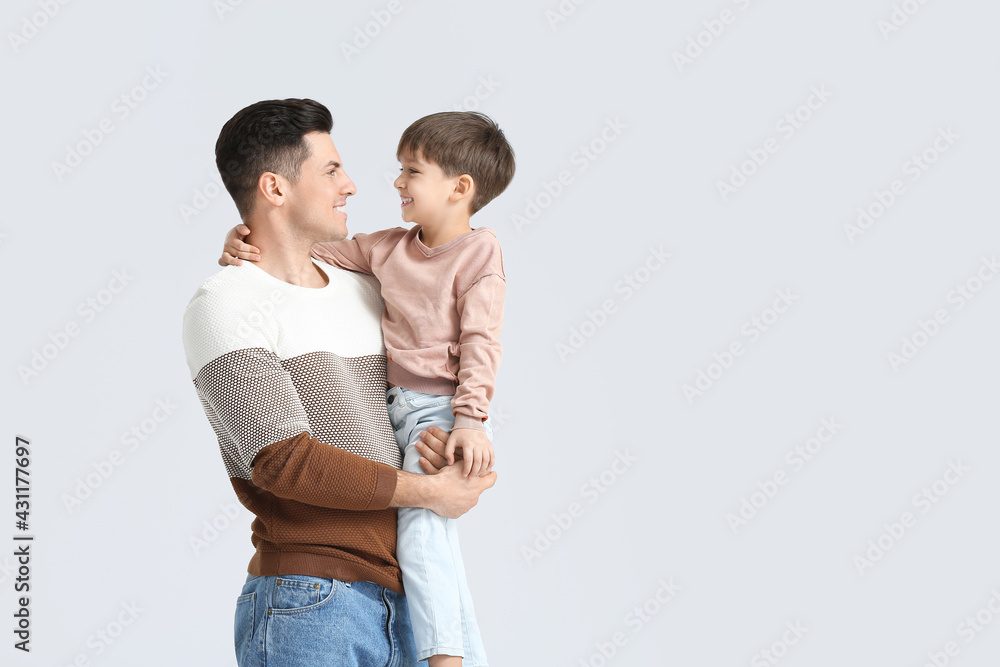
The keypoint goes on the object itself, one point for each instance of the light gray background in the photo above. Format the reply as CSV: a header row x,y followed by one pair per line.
x,y
561,421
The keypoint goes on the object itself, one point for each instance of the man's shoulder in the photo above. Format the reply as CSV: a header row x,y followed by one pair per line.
x,y
229,291
225,312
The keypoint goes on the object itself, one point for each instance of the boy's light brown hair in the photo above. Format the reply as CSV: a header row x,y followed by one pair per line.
x,y
463,142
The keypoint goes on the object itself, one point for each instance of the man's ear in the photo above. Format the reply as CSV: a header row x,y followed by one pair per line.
x,y
273,187
465,188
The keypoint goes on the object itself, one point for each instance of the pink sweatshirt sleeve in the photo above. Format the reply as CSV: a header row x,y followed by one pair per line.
x,y
480,311
353,254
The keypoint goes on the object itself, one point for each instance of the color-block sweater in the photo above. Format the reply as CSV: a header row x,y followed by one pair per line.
x,y
443,311
293,382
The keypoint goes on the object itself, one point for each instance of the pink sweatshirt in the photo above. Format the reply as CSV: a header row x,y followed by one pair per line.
x,y
443,311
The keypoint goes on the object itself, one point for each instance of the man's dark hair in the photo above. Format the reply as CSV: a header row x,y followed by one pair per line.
x,y
463,142
266,136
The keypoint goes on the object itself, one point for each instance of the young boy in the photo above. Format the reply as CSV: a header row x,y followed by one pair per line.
x,y
443,285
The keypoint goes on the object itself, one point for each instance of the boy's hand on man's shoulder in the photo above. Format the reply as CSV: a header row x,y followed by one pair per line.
x,y
234,250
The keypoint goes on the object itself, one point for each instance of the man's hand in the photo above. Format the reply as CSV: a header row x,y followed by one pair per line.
x,y
455,494
476,448
432,444
444,490
234,250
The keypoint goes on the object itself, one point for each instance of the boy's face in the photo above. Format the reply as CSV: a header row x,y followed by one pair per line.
x,y
424,189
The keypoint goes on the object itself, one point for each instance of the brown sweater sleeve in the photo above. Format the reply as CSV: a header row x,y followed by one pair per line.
x,y
304,469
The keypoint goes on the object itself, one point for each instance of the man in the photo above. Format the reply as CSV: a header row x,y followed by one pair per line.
x,y
287,358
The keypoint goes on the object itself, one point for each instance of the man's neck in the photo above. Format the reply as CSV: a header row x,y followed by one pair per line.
x,y
286,258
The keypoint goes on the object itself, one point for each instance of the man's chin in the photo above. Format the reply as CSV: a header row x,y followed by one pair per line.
x,y
336,232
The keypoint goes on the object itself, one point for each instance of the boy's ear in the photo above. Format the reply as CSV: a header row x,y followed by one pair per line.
x,y
465,187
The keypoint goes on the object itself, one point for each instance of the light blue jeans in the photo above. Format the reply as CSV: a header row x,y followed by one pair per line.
x,y
300,621
444,621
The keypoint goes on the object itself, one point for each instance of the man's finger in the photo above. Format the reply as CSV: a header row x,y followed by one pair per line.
x,y
242,229
433,441
432,457
428,467
438,433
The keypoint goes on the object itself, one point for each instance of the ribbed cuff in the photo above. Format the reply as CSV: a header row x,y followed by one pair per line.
x,y
385,487
465,421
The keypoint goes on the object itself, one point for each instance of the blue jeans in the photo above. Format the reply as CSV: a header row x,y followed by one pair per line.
x,y
300,621
444,621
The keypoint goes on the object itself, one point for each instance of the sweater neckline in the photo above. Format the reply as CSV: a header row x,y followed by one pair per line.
x,y
323,268
444,247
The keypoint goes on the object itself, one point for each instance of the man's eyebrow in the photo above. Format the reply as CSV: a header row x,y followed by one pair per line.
x,y
332,163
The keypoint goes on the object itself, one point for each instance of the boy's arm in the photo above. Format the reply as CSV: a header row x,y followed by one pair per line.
x,y
356,254
353,254
480,311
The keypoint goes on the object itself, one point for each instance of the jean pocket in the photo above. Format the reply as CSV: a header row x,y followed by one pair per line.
x,y
243,629
295,594
421,401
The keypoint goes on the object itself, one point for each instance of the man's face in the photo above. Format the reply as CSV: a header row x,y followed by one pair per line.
x,y
316,202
